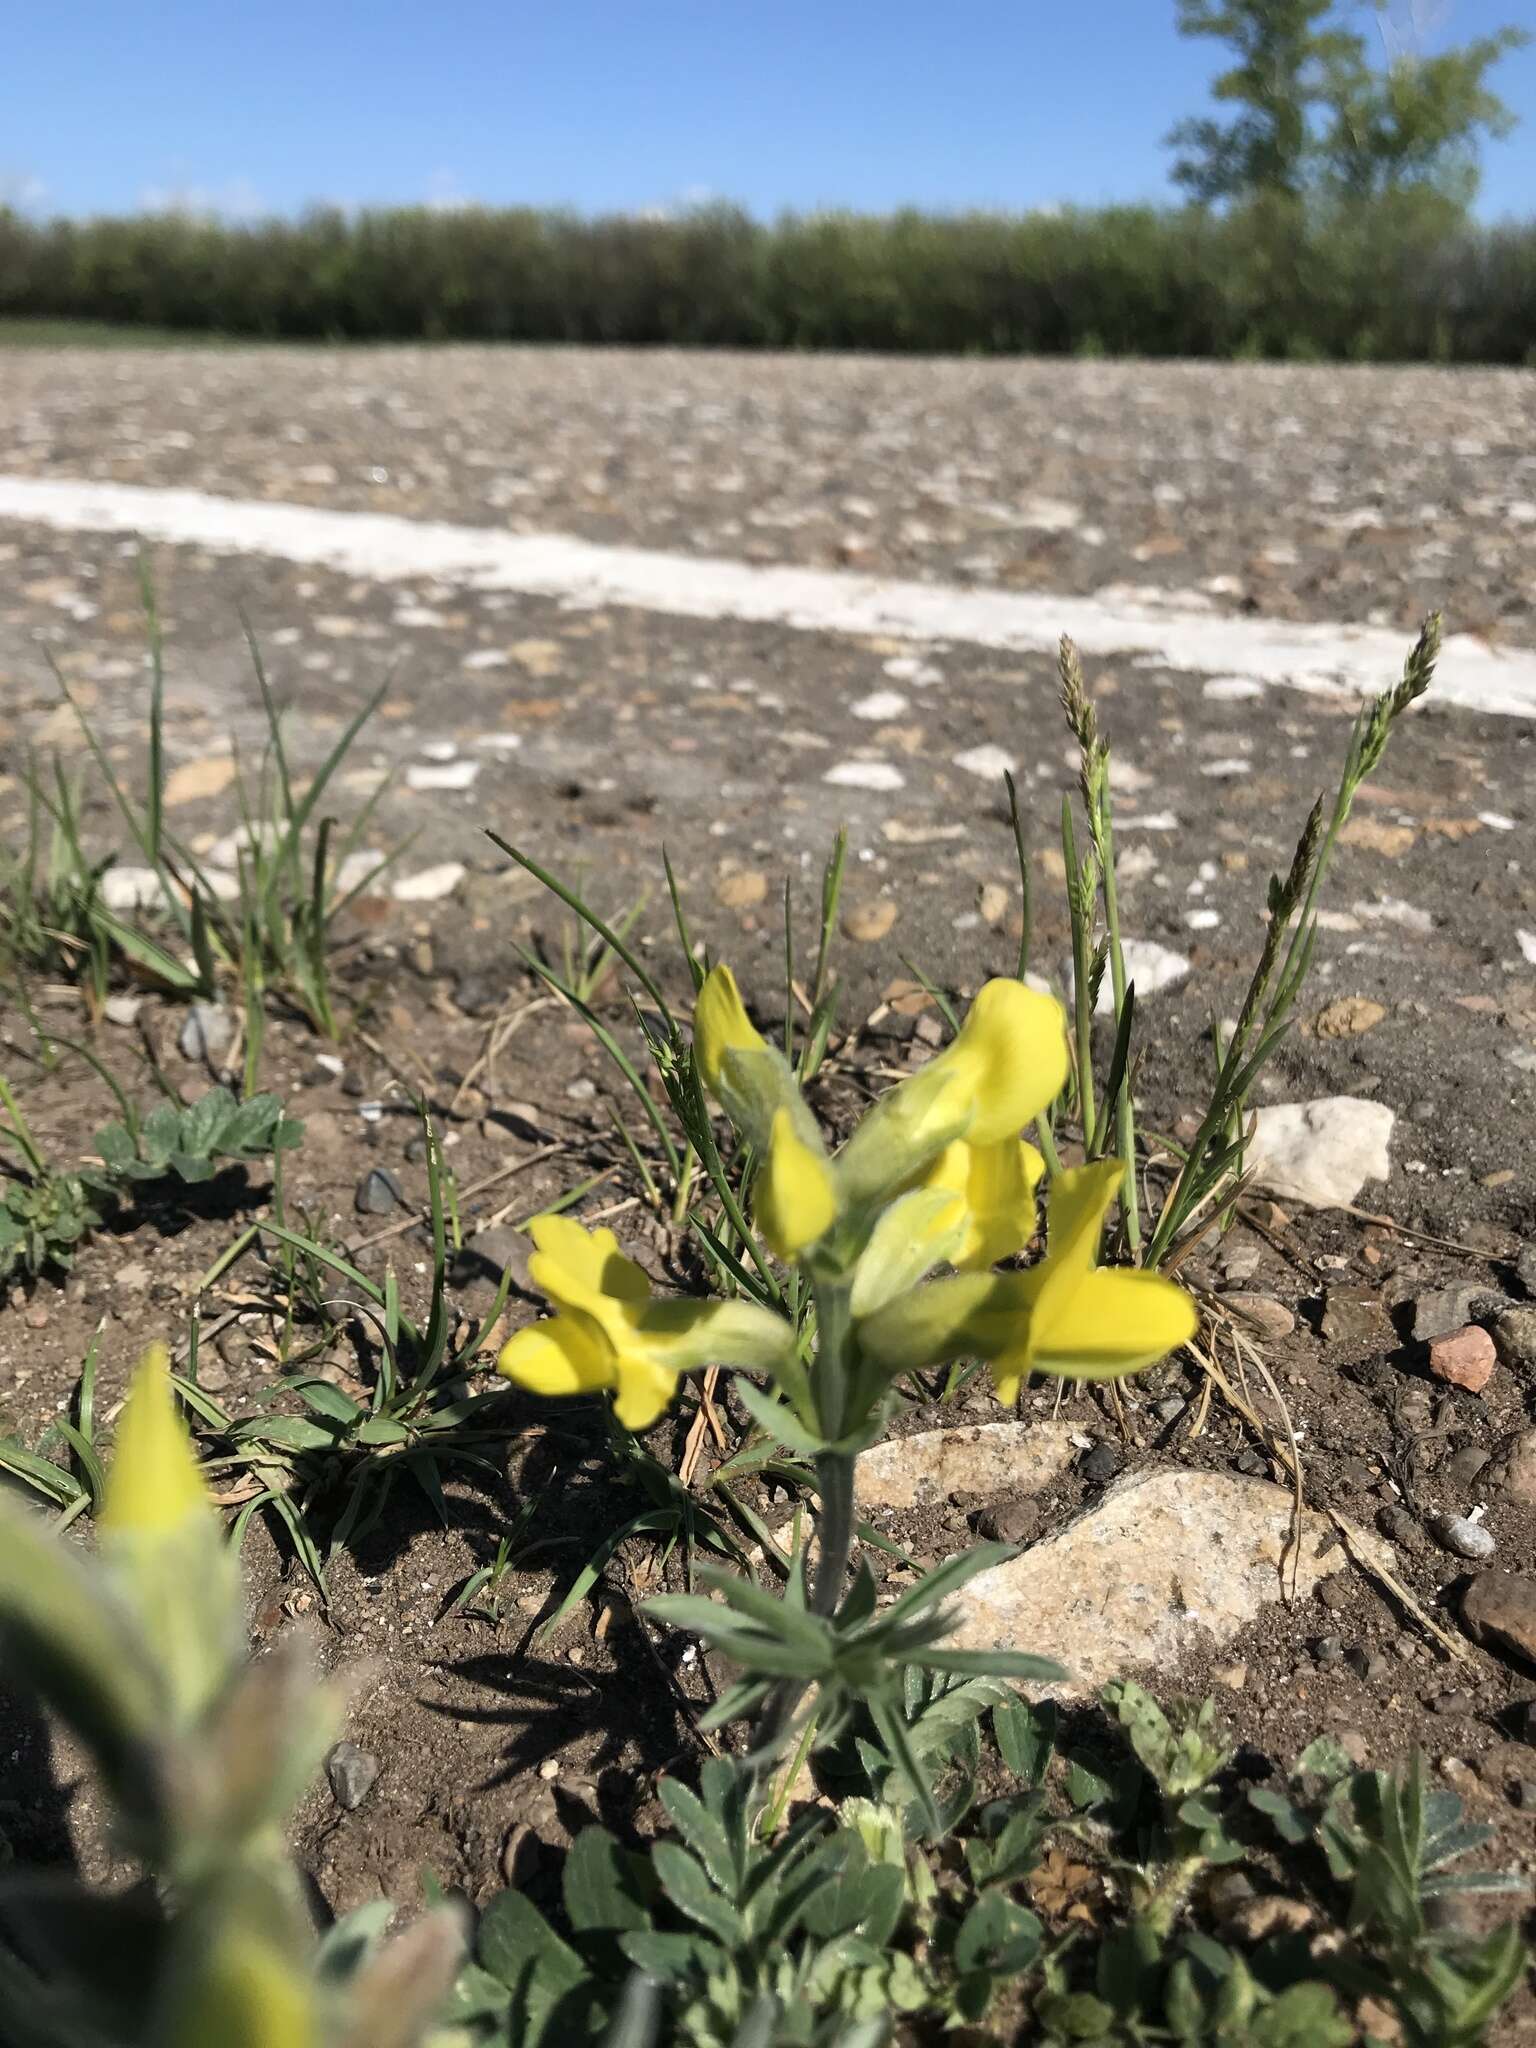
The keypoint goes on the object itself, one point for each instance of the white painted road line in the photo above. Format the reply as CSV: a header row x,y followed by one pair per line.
x,y
1307,656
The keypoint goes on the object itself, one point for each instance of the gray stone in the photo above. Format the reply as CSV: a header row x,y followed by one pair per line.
x,y
489,1254
1499,1611
1240,1260
1369,1665
1321,1153
1164,1565
997,1458
1446,1309
1514,1338
122,1010
1463,1468
1399,1527
1517,1473
1463,1537
1327,1651
1100,1465
1170,1408
1450,1703
378,1192
1013,1521
207,1033
1357,1316
1525,1268
353,1773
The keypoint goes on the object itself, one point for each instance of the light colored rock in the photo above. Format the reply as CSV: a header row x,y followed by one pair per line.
x,y
986,1457
193,780
207,1033
1463,1537
879,775
1166,1565
430,883
131,889
1323,1152
986,762
1151,966
441,774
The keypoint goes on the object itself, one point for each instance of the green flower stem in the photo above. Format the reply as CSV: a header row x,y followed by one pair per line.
x,y
1125,1114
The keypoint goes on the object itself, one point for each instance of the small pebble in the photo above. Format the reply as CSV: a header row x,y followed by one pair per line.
x,y
1399,1527
1100,1465
353,1773
1327,1651
1463,1537
1450,1703
1523,1794
1170,1408
1269,1317
1462,1469
1466,1358
377,1193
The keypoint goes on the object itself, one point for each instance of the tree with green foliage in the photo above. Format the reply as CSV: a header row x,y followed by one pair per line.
x,y
1286,57
1414,124
1314,113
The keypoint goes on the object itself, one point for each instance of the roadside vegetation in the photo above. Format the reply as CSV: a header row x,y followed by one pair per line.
x,y
1330,218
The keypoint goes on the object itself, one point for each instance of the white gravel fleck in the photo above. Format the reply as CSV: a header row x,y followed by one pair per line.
x,y
130,888
1202,920
986,761
1528,945
1393,910
1225,770
880,704
865,775
1152,821
441,774
1496,821
1231,689
430,883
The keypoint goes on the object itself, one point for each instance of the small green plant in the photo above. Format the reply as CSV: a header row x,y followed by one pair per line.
x,y
201,1755
272,932
190,1142
43,1215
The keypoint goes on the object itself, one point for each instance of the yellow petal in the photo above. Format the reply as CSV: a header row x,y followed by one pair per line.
x,y
997,1185
795,1201
645,1392
154,1484
1013,1046
246,1994
1079,1201
1113,1322
721,1025
578,1268
557,1357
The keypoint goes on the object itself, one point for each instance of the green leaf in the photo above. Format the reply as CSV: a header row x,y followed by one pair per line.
x,y
686,1883
599,1885
547,1979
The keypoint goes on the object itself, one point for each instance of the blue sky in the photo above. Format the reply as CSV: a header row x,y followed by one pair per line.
x,y
604,104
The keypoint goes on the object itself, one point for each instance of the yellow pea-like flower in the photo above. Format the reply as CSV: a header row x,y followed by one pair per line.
x,y
1067,1316
1006,1065
721,1025
996,1184
795,1201
154,1485
609,1335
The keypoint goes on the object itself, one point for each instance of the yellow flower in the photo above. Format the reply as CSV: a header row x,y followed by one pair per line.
x,y
721,1025
609,1334
795,1200
154,1485
1006,1064
244,1993
997,1185
1067,1316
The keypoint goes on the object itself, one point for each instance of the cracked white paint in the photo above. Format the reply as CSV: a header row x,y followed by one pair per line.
x,y
1172,627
